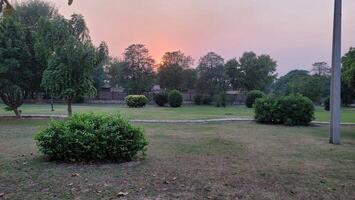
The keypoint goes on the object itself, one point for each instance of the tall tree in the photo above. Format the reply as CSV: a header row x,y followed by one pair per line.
x,y
69,71
234,74
171,70
30,13
137,75
258,71
349,68
212,79
15,71
321,69
281,86
102,61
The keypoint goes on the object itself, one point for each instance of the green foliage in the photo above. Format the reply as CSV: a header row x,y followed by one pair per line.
x,y
258,72
91,137
252,96
348,70
326,104
265,108
136,101
15,69
175,99
174,72
212,79
234,74
289,110
281,86
161,98
135,73
69,70
221,100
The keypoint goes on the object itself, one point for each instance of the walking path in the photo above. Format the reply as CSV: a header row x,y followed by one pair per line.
x,y
155,121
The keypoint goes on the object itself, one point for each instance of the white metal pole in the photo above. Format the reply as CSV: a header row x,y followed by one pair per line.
x,y
336,76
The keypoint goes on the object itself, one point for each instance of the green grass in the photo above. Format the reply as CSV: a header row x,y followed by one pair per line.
x,y
154,112
205,161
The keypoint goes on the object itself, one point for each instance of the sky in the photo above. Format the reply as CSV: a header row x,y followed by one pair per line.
x,y
296,33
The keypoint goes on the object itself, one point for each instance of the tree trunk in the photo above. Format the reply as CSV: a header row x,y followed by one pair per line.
x,y
69,107
17,113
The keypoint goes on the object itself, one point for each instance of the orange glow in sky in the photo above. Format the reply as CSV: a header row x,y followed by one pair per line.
x,y
295,33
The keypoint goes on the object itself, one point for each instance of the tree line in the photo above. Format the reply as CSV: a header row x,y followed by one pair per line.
x,y
43,52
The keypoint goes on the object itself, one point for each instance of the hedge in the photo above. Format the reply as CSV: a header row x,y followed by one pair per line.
x,y
161,98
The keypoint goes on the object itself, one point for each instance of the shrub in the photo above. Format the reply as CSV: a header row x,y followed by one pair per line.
x,y
161,98
327,104
91,137
175,99
295,110
221,100
264,110
289,110
136,101
252,96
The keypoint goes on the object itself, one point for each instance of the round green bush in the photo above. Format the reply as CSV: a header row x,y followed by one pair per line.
x,y
327,104
175,99
288,110
265,110
207,100
252,96
161,98
91,137
296,110
136,101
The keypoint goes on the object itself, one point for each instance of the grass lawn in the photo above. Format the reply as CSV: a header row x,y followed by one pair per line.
x,y
154,112
204,161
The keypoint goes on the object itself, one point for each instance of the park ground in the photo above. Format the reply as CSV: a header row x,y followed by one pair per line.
x,y
241,160
167,113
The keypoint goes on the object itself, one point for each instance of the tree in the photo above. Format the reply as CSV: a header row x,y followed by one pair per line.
x,y
349,68
321,69
15,71
136,72
171,70
69,71
189,79
30,13
212,79
234,74
258,72
98,75
281,86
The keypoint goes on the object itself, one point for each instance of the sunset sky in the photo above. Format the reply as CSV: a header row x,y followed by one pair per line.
x,y
296,33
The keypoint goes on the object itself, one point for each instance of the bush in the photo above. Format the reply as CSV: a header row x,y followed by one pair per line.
x,y
264,110
252,96
136,101
221,100
327,104
161,98
175,99
91,137
289,110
